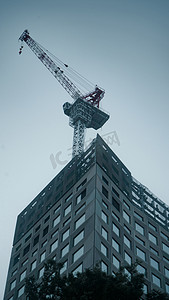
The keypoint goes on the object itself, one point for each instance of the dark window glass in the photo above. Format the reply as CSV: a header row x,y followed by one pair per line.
x,y
83,194
16,259
138,216
105,192
115,204
36,240
45,231
37,228
47,219
26,250
105,180
115,192
27,239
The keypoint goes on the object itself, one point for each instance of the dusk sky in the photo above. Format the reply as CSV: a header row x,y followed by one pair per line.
x,y
120,45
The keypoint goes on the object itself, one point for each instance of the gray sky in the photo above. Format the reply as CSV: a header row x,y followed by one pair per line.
x,y
121,45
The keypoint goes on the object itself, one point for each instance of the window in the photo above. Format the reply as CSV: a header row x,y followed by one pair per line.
x,y
138,216
164,236
21,291
36,240
126,216
104,217
126,272
57,209
152,238
104,233
54,233
141,270
165,248
56,221
11,298
41,272
13,285
115,216
19,247
33,265
14,272
78,238
65,234
127,242
104,267
115,204
152,226
105,192
127,258
154,251
80,209
115,192
25,262
154,263
69,197
105,180
141,253
22,276
54,246
65,250
27,239
44,243
81,196
42,256
116,262
16,259
126,205
82,184
166,272
45,231
166,259
26,250
156,280
139,228
67,221
167,288
78,253
115,245
67,210
105,205
37,228
116,230
35,252
104,249
145,289
139,240
80,221
127,229
47,219
78,270
64,268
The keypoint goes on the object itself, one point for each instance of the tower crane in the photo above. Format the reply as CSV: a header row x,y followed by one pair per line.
x,y
84,112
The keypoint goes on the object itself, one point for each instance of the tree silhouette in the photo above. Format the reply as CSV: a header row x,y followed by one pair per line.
x,y
89,285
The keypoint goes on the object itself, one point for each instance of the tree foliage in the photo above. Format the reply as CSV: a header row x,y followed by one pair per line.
x,y
89,285
157,295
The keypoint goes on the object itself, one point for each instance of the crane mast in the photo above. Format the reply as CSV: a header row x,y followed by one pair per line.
x,y
84,112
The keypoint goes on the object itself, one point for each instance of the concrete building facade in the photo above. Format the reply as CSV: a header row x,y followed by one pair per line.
x,y
92,212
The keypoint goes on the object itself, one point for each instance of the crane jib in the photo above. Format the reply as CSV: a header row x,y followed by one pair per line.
x,y
93,97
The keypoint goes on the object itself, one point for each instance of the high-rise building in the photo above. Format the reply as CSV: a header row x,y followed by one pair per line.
x,y
92,212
